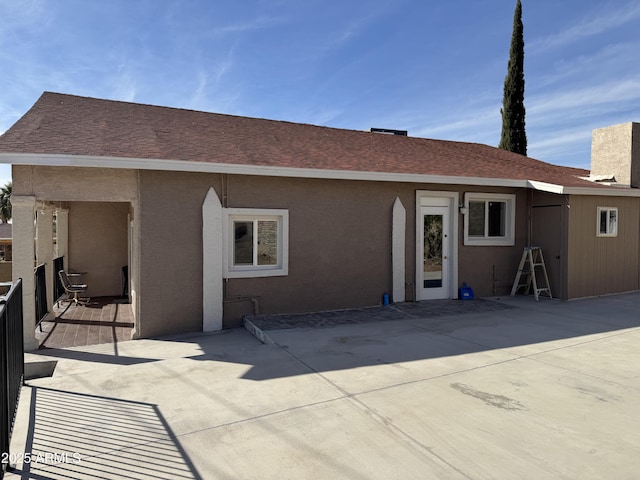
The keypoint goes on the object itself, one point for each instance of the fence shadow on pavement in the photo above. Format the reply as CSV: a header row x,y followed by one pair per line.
x,y
73,435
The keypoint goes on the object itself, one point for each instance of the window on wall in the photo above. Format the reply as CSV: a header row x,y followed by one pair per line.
x,y
256,242
607,222
489,219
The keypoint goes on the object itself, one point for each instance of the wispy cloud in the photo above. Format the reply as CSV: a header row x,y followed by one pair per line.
x,y
560,124
587,27
210,84
254,24
560,139
355,26
223,67
476,124
557,145
584,100
352,29
20,14
199,94
611,61
125,89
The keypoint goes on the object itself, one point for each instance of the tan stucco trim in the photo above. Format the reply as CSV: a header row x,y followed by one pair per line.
x,y
212,247
23,211
398,242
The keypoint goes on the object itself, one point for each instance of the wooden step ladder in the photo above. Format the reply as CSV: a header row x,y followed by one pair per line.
x,y
532,258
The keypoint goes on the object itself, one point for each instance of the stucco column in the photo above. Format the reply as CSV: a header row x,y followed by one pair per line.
x,y
62,234
212,297
22,212
44,246
399,233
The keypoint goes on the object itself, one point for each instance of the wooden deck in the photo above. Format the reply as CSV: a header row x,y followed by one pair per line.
x,y
102,321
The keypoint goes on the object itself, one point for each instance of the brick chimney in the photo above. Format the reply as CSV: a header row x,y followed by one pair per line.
x,y
615,151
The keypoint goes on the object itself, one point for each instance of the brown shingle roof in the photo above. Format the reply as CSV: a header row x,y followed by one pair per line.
x,y
73,125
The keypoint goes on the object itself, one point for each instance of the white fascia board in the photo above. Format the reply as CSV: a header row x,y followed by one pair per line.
x,y
606,192
62,160
545,187
238,169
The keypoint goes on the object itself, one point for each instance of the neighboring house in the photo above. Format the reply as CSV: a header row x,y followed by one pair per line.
x,y
5,242
218,216
6,252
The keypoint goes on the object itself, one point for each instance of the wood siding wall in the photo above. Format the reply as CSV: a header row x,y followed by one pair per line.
x,y
603,265
549,227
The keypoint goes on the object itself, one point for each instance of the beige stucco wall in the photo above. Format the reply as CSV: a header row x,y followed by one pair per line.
x,y
616,150
477,264
603,265
59,184
169,224
339,246
339,232
98,244
340,241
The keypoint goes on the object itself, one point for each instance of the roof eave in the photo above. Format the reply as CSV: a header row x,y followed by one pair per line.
x,y
595,190
64,160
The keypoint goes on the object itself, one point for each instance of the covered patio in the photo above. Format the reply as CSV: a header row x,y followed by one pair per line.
x,y
87,230
103,320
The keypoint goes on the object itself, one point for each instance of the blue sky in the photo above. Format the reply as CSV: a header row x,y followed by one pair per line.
x,y
435,68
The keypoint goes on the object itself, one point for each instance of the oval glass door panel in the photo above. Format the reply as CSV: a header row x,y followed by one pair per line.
x,y
433,252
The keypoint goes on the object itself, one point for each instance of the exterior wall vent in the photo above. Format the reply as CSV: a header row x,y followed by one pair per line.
x,y
390,131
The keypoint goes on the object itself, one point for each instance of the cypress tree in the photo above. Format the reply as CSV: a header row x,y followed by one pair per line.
x,y
514,137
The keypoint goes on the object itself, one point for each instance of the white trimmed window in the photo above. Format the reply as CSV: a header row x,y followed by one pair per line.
x,y
489,219
256,242
607,222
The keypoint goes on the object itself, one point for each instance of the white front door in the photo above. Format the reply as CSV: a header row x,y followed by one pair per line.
x,y
434,253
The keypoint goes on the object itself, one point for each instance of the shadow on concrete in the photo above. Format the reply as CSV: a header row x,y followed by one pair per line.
x,y
406,338
106,358
72,435
369,337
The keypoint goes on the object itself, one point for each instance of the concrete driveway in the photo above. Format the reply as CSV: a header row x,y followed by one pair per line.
x,y
542,391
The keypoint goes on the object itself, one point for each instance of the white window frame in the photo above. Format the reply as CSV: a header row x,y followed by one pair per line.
x,y
255,214
614,233
510,218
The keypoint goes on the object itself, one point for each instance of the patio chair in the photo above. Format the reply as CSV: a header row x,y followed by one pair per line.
x,y
73,289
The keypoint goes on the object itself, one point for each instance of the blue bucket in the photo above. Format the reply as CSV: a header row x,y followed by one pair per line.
x,y
466,293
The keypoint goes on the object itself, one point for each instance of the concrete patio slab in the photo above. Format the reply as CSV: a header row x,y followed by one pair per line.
x,y
388,353
520,419
538,390
219,381
312,442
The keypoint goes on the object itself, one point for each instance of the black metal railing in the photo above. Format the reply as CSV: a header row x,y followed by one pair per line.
x,y
11,365
58,289
41,293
